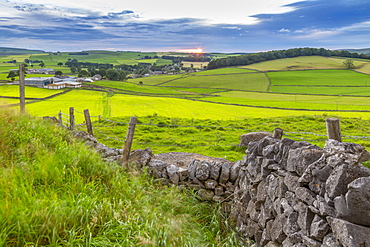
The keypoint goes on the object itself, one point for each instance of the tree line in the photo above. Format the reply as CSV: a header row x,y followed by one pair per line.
x,y
272,55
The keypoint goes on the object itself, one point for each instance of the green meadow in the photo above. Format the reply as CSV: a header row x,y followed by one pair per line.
x,y
319,78
58,192
31,92
250,82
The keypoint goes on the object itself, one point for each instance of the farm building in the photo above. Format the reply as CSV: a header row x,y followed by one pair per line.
x,y
40,71
55,86
38,81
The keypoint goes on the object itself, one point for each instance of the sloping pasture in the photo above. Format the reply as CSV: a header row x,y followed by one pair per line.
x,y
251,82
298,63
222,71
319,78
291,101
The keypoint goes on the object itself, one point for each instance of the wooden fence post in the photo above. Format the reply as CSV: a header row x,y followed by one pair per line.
x,y
128,141
60,119
333,129
278,133
21,89
71,118
88,122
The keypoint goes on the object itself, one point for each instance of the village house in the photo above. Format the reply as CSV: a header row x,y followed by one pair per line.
x,y
47,71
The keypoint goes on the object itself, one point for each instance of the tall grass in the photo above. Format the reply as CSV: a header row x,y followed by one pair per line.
x,y
57,192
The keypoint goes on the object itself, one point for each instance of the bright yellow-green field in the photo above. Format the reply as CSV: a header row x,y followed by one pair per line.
x,y
100,103
30,92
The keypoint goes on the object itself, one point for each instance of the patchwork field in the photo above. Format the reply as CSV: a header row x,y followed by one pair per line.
x,y
226,93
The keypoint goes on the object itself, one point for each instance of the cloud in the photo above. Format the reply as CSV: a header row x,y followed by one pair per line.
x,y
145,25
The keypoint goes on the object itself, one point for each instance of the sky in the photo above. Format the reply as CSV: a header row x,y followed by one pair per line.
x,y
164,25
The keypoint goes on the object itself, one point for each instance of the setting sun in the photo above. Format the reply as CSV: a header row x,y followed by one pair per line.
x,y
198,50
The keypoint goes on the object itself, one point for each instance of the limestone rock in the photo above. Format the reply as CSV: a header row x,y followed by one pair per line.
x,y
252,137
349,234
173,176
336,185
206,195
319,228
225,173
355,205
202,170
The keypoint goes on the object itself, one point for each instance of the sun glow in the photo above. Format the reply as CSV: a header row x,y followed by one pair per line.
x,y
197,50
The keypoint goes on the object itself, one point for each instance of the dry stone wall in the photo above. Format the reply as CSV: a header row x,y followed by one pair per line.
x,y
282,193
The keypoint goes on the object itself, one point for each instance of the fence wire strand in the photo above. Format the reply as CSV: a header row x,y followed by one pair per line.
x,y
285,134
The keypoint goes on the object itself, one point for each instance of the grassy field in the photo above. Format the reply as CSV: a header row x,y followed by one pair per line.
x,y
319,78
30,92
223,71
58,192
219,138
252,82
332,90
157,79
298,63
308,102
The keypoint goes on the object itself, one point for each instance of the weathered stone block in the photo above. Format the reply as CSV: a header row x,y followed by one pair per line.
x,y
299,159
330,241
336,184
277,233
310,242
183,174
305,218
210,184
192,169
206,195
305,195
349,234
291,225
234,171
245,139
355,205
319,228
215,170
173,176
202,171
291,182
344,153
225,173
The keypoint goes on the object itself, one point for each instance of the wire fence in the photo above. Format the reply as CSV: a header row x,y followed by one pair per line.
x,y
103,123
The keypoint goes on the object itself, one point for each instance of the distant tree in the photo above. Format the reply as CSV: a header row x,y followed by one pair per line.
x,y
60,63
83,73
42,64
26,60
58,72
349,64
73,69
116,75
103,72
12,75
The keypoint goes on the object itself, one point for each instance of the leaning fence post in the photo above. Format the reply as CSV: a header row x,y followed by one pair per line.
x,y
128,141
60,118
88,122
333,129
71,118
278,133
